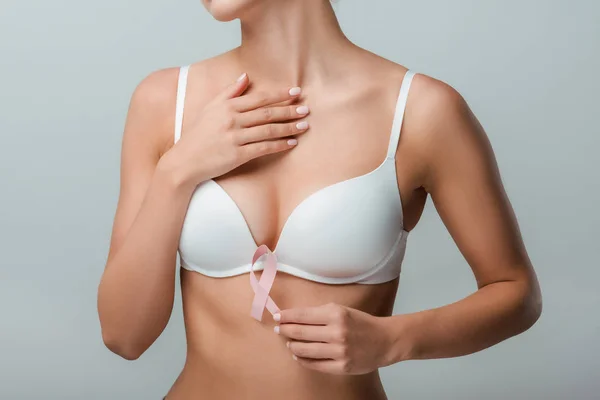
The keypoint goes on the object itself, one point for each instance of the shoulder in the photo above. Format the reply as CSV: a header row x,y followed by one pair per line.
x,y
431,101
437,113
440,127
149,118
157,90
433,105
153,100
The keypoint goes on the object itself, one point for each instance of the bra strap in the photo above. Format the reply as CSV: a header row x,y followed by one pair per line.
x,y
263,287
181,89
399,114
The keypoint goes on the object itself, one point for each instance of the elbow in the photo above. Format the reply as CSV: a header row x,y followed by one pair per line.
x,y
125,348
536,309
531,309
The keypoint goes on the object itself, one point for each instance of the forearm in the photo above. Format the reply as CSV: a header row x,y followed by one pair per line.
x,y
490,315
135,295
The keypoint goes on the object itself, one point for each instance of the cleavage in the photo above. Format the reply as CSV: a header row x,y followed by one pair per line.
x,y
255,192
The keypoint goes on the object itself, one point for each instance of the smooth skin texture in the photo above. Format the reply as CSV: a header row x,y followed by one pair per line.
x,y
339,334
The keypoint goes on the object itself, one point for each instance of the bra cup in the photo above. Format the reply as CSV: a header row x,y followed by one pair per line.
x,y
345,230
214,235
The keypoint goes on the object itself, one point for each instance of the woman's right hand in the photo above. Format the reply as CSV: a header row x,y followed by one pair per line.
x,y
233,129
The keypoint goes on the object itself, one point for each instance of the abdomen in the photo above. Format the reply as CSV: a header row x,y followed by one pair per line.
x,y
231,355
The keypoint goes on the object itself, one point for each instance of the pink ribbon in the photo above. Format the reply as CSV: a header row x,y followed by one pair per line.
x,y
263,287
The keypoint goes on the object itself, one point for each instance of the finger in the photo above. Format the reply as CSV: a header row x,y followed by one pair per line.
x,y
270,131
261,99
309,333
271,114
236,88
315,350
306,315
251,151
328,366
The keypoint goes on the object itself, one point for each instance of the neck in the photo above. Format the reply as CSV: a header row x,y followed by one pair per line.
x,y
291,42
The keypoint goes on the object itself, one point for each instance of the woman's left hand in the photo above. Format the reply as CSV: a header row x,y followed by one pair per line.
x,y
335,339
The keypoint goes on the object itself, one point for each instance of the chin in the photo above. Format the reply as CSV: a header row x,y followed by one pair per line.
x,y
228,10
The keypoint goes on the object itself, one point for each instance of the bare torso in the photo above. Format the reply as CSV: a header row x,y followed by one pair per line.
x,y
232,356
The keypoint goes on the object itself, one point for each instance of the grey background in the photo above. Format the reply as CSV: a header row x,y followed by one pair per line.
x,y
67,70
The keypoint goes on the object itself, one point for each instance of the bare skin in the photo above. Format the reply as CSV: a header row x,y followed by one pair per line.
x,y
351,94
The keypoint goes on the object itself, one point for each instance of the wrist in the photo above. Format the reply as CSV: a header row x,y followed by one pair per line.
x,y
175,175
400,338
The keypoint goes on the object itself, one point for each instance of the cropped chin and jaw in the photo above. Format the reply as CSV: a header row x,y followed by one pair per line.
x,y
228,10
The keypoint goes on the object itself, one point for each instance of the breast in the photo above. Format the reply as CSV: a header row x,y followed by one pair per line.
x,y
350,231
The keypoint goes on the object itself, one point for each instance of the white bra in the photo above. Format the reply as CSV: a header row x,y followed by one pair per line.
x,y
348,232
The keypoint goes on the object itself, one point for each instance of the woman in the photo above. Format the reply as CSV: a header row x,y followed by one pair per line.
x,y
323,153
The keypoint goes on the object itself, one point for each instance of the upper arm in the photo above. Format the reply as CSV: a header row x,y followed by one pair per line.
x,y
146,134
464,182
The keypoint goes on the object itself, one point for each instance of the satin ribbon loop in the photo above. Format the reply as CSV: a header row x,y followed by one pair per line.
x,y
263,286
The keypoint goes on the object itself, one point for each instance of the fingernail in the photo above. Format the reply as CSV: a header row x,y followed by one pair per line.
x,y
287,344
277,316
294,357
302,125
295,91
241,77
291,142
302,110
276,329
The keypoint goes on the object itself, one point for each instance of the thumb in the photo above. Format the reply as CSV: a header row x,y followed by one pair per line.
x,y
236,88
